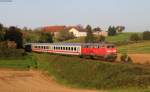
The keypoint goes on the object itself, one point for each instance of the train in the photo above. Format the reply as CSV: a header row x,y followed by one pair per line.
x,y
106,51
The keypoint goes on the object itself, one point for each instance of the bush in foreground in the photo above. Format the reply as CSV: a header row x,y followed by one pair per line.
x,y
125,58
9,52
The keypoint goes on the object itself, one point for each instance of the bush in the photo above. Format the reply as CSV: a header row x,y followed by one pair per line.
x,y
135,37
6,52
101,38
146,35
126,59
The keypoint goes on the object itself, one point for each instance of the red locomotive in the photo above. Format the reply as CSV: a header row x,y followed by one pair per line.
x,y
104,50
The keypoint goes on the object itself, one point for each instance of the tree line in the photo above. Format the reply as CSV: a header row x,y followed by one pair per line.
x,y
137,37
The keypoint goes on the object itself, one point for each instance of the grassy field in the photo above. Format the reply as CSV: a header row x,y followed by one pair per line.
x,y
123,37
141,47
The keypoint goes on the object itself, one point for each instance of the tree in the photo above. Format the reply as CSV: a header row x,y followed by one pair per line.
x,y
112,31
14,34
46,38
135,37
90,37
2,33
64,35
97,29
120,29
101,38
146,35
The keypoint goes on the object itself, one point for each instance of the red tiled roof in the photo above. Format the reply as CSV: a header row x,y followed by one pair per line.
x,y
54,28
80,29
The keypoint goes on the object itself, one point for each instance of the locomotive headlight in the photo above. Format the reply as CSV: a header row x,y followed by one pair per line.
x,y
108,51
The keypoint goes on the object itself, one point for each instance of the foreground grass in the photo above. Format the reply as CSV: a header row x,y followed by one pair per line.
x,y
98,75
83,73
130,90
142,47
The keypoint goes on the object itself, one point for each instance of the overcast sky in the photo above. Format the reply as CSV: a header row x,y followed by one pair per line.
x,y
133,14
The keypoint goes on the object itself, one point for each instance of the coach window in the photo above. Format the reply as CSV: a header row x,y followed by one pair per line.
x,y
75,48
99,46
54,47
72,48
63,48
69,48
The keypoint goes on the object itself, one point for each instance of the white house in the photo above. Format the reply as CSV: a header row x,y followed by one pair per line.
x,y
78,32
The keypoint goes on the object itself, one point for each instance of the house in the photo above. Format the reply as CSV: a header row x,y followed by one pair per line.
x,y
102,33
54,29
78,32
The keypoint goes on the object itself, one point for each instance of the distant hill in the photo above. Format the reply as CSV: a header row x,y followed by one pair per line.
x,y
141,47
118,38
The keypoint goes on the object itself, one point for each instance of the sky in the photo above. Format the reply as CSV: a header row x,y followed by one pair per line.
x,y
133,14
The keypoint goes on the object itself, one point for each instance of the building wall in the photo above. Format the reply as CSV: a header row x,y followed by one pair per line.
x,y
77,33
103,33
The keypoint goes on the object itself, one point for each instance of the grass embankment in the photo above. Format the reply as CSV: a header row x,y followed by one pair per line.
x,y
141,47
23,63
88,74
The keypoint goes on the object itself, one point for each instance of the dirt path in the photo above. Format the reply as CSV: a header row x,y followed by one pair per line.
x,y
31,81
139,58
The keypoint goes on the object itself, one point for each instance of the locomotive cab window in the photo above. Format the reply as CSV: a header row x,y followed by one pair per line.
x,y
110,46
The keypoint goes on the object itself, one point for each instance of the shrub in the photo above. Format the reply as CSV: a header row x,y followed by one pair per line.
x,y
101,38
125,58
6,52
135,37
146,35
